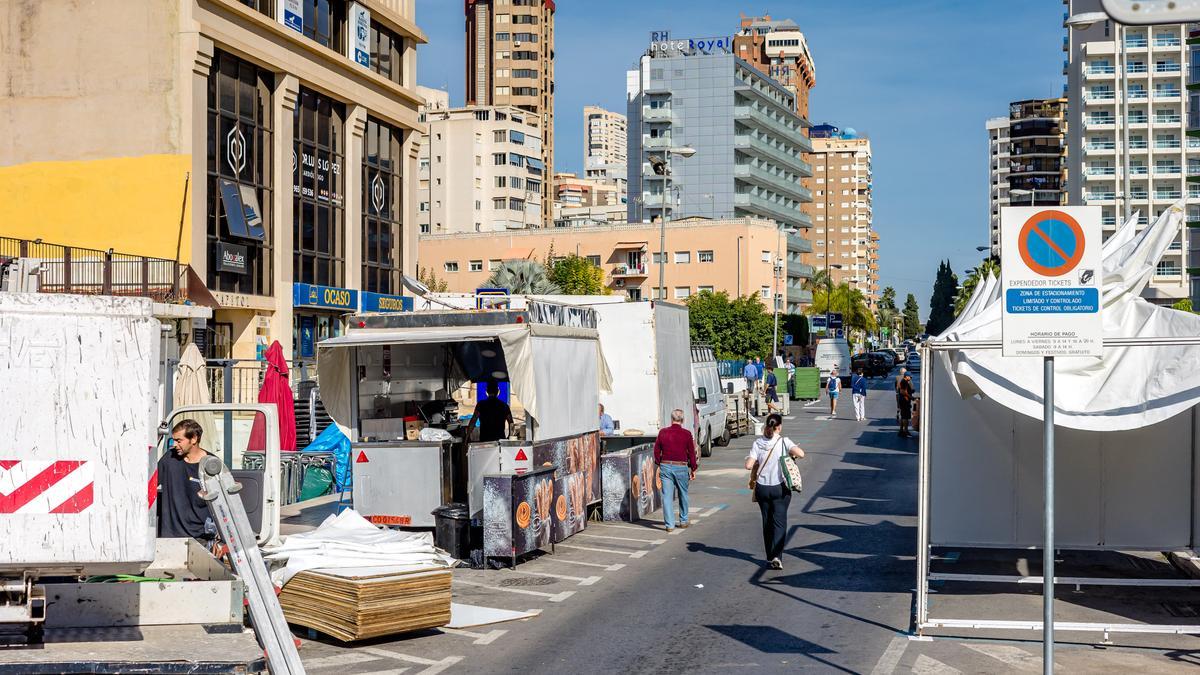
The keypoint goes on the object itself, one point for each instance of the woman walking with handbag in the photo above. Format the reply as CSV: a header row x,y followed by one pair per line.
x,y
773,478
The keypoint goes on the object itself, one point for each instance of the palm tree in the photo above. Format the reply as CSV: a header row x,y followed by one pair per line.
x,y
977,277
522,277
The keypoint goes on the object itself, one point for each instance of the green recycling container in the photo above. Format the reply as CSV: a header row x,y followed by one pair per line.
x,y
808,384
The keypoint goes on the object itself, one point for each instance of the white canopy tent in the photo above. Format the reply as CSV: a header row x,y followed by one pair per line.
x,y
1125,429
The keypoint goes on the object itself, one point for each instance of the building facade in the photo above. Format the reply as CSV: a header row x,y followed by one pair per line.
x,y
779,51
571,190
1126,116
271,151
844,240
1193,173
998,156
510,62
484,171
736,255
748,142
605,149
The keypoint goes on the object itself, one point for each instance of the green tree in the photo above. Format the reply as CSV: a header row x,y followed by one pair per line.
x,y
736,328
427,276
849,302
941,303
912,317
1184,305
523,277
976,277
887,299
575,275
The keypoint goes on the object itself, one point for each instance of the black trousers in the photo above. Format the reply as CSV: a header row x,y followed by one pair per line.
x,y
773,501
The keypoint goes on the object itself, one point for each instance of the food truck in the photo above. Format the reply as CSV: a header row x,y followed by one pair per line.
x,y
394,383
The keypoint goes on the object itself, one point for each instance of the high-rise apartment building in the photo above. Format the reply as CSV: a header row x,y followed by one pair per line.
x,y
510,62
1193,172
1127,126
605,147
480,171
748,143
779,51
998,154
843,237
1027,159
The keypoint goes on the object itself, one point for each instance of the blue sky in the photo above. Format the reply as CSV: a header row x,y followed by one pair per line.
x,y
920,77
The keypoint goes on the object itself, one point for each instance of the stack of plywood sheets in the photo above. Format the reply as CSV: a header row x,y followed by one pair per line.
x,y
366,602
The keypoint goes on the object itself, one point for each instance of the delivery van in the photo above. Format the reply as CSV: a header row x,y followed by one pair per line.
x,y
833,353
710,403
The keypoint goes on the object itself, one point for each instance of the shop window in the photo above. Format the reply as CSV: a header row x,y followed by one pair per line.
x,y
239,177
318,202
383,206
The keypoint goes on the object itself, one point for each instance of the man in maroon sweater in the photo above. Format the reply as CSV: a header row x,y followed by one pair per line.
x,y
675,455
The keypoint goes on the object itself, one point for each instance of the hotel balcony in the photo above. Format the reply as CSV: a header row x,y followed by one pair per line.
x,y
763,178
629,271
764,150
658,114
760,206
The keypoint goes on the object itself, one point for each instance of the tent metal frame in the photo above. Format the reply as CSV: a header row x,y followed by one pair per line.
x,y
922,620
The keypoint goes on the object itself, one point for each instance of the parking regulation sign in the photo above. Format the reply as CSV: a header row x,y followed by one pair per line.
x,y
1051,273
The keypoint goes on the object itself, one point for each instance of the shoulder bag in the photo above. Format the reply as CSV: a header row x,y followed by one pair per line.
x,y
791,472
762,466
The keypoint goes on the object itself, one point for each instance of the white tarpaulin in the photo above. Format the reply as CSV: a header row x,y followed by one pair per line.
x,y
1129,387
347,541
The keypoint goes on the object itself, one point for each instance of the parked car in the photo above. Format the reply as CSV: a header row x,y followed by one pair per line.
x,y
873,364
888,358
897,355
914,362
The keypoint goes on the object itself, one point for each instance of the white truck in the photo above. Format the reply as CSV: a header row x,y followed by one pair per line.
x,y
711,414
79,389
649,355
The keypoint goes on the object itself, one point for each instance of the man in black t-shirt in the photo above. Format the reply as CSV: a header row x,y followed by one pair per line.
x,y
495,417
184,512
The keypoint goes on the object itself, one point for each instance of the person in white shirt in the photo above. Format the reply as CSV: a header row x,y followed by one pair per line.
x,y
772,494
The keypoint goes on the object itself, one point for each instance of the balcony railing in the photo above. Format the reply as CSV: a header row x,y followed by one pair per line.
x,y
1167,67
85,271
1193,170
1139,171
1100,96
1138,95
1100,119
1168,144
1100,70
1108,220
1168,119
1163,170
1167,42
1135,42
1138,145
1108,145
629,271
1100,171
1166,93
1167,194
1136,194
1099,196
1136,68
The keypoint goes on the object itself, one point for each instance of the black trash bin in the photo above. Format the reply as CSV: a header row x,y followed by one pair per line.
x,y
452,530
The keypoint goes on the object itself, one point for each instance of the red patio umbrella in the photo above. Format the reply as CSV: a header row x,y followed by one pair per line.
x,y
275,389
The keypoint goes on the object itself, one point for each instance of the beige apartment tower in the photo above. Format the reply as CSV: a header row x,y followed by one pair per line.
x,y
777,49
844,240
510,62
605,147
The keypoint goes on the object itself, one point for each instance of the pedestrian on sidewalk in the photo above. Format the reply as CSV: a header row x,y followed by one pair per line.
x,y
675,455
791,376
766,479
750,373
904,399
858,392
772,392
899,379
833,386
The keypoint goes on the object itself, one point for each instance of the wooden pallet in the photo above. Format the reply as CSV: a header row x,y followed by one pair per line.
x,y
357,604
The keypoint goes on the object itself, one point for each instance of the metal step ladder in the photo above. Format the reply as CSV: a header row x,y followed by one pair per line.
x,y
221,492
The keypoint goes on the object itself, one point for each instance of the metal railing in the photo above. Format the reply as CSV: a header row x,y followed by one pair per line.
x,y
85,271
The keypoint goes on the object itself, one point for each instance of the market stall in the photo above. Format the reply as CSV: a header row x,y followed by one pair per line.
x,y
390,381
1125,434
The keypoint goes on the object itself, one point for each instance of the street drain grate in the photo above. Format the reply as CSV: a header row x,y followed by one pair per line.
x,y
530,581
1182,610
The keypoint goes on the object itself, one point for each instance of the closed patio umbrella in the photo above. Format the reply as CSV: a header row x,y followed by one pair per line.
x,y
191,388
275,389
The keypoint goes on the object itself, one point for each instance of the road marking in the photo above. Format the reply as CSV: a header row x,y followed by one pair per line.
x,y
344,659
480,638
652,542
1015,657
927,666
552,597
389,671
891,657
640,528
714,510
631,554
431,668
606,568
583,581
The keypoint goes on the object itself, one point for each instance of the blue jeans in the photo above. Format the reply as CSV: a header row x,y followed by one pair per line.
x,y
674,477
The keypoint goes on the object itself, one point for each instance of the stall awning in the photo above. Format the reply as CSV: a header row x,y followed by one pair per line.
x,y
413,336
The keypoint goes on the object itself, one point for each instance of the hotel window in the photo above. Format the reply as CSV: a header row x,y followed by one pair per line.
x,y
765,291
475,266
499,202
383,208
387,53
450,266
704,256
325,22
318,204
594,260
239,175
501,181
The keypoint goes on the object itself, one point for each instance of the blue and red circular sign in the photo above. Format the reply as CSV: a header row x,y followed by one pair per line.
x,y
1051,243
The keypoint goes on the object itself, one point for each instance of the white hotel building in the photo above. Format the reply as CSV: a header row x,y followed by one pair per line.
x,y
1126,87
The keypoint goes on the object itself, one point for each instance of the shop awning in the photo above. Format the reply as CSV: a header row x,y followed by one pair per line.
x,y
630,245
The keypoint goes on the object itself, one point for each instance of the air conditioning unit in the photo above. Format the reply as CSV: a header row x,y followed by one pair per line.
x,y
619,283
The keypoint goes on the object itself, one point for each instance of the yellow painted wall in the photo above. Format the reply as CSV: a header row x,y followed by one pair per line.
x,y
129,204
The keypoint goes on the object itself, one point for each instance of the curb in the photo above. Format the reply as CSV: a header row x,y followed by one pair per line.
x,y
1188,563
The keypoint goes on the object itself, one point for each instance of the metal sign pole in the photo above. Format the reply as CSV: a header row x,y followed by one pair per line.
x,y
1048,518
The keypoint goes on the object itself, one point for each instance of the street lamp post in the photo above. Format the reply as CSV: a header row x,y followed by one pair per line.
x,y
684,152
